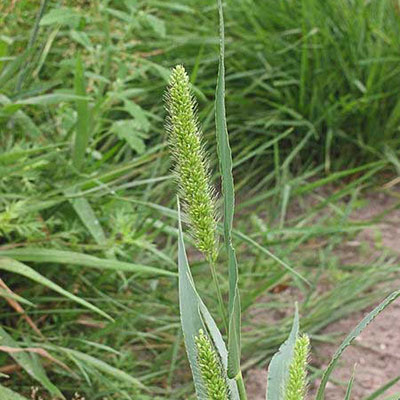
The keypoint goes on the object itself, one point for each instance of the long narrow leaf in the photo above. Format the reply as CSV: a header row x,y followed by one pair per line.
x,y
86,214
278,371
195,316
10,265
103,367
73,258
8,394
82,124
349,388
350,338
30,363
225,166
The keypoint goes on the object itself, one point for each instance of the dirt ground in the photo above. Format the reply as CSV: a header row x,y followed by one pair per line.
x,y
375,355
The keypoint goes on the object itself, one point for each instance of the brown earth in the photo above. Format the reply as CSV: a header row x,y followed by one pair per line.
x,y
375,355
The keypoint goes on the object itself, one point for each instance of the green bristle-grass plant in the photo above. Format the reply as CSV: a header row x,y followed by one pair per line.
x,y
212,373
184,136
215,366
191,169
297,382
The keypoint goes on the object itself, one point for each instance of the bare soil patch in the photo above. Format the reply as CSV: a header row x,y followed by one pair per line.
x,y
375,355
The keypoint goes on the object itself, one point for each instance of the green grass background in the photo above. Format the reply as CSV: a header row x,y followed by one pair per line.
x,y
313,114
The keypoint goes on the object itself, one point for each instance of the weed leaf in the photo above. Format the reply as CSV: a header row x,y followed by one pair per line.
x,y
278,371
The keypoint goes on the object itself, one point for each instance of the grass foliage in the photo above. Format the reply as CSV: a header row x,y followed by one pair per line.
x,y
88,236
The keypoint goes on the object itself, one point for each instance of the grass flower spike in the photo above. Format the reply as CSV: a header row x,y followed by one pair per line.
x,y
191,165
211,369
297,383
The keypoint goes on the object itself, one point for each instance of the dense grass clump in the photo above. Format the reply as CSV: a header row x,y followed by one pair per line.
x,y
88,237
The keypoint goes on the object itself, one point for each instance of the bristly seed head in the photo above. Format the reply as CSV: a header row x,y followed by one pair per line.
x,y
296,387
190,162
211,370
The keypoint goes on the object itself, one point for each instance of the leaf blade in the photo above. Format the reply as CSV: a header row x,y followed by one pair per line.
x,y
278,370
33,254
82,131
195,316
225,166
350,338
11,265
30,364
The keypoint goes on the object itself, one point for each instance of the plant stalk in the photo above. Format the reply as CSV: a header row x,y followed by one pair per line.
x,y
240,386
219,295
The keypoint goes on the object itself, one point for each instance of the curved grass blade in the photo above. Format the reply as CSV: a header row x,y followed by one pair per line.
x,y
350,338
383,389
349,388
195,316
86,214
225,166
238,234
82,132
10,265
278,371
30,363
10,394
73,258
103,367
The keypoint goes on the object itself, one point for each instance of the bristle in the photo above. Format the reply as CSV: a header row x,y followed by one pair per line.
x,y
297,383
191,167
211,370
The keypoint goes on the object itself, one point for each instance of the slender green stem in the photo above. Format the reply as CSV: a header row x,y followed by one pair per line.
x,y
240,386
219,294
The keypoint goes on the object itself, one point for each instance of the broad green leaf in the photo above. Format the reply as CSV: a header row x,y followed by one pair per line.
x,y
131,131
225,166
350,338
30,363
70,257
8,394
278,371
8,264
82,131
82,38
137,112
157,24
61,16
195,316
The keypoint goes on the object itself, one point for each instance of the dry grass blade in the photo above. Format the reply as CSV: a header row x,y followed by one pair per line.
x,y
19,309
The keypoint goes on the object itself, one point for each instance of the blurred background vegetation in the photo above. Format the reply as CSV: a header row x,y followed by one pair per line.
x,y
87,204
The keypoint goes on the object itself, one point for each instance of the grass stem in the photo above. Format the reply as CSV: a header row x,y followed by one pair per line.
x,y
219,294
241,387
